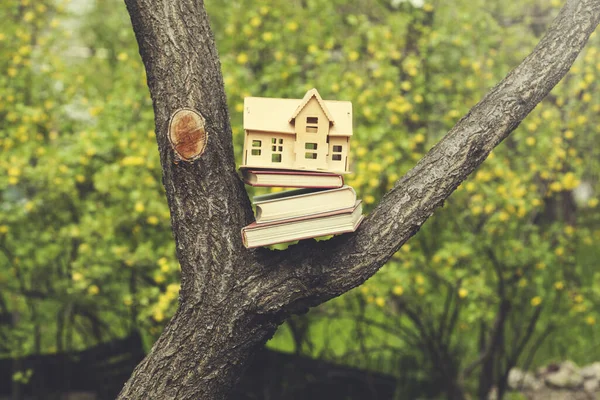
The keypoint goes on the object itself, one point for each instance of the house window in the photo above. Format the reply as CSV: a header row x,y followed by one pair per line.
x,y
256,144
276,150
310,155
312,124
336,153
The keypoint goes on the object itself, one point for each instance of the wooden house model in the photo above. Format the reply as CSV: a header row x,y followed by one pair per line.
x,y
308,134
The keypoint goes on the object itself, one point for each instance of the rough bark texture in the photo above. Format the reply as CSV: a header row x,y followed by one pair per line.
x,y
232,299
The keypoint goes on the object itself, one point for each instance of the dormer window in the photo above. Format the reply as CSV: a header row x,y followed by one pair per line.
x,y
312,124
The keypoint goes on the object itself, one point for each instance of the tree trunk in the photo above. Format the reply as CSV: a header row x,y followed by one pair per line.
x,y
232,299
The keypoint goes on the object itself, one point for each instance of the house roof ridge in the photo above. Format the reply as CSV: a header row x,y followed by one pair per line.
x,y
307,97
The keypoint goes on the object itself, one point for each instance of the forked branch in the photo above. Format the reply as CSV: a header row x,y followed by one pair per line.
x,y
313,272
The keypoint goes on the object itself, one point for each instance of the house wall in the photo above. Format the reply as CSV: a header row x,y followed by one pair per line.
x,y
306,140
337,143
261,152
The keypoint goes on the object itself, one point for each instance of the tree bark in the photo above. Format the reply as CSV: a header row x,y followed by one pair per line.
x,y
232,299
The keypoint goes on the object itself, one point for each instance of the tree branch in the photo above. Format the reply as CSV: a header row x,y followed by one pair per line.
x,y
312,272
232,299
207,199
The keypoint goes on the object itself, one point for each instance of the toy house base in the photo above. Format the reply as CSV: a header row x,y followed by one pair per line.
x,y
307,134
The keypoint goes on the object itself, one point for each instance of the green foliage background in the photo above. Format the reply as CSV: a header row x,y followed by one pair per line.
x,y
85,242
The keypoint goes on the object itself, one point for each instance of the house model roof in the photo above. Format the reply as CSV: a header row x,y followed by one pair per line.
x,y
277,115
309,95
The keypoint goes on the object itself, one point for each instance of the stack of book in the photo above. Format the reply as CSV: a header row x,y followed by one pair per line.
x,y
322,206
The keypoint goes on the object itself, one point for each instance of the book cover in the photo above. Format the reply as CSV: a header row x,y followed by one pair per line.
x,y
292,179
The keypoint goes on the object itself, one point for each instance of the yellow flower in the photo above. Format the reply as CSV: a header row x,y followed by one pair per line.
x,y
559,251
158,315
590,320
369,199
3,229
462,293
353,56
122,56
569,134
152,220
503,216
536,301
13,171
398,290
555,186
255,21
592,203
139,207
93,290
242,58
427,7
77,276
530,141
267,36
419,138
523,282
578,299
419,279
28,16
380,301
292,26
540,266
559,285
570,181
173,287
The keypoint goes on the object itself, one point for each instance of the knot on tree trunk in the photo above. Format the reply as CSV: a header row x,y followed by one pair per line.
x,y
187,134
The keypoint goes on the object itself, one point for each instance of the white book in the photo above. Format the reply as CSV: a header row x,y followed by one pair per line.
x,y
302,202
332,223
